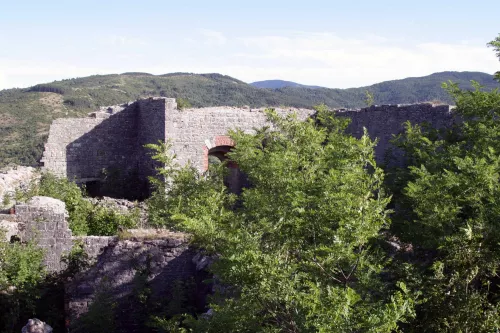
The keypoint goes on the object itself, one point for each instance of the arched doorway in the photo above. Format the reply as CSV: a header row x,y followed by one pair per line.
x,y
234,179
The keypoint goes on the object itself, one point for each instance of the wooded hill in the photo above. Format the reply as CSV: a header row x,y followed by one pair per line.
x,y
26,114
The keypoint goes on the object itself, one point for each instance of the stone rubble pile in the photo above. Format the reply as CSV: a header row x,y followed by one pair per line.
x,y
123,206
36,326
12,179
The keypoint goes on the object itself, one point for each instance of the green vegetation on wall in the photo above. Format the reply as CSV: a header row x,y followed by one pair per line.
x,y
85,218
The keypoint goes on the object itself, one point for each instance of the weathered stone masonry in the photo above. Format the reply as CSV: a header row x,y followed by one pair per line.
x,y
44,220
165,261
110,144
160,256
385,121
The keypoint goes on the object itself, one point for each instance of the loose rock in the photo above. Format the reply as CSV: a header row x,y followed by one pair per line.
x,y
36,326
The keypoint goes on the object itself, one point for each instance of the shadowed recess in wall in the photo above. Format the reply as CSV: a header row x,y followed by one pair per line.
x,y
106,151
105,158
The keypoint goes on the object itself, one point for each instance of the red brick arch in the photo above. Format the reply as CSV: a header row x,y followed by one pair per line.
x,y
218,141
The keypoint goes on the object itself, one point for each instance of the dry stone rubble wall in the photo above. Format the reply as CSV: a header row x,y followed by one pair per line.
x,y
44,220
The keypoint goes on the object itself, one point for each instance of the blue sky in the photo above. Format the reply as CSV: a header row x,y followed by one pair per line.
x,y
336,44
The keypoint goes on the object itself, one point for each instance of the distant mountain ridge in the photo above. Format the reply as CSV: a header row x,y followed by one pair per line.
x,y
277,84
25,114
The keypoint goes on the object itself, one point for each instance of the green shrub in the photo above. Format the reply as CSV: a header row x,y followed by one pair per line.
x,y
77,260
104,221
298,247
21,271
6,201
73,196
183,103
85,218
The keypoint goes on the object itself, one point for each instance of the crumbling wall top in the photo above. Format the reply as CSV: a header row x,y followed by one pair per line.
x,y
56,205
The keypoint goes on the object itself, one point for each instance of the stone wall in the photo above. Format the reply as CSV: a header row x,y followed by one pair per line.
x,y
94,245
193,131
151,119
157,262
105,150
161,262
113,140
385,121
44,220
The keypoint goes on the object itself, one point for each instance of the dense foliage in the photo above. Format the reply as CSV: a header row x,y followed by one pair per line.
x,y
21,271
289,241
28,291
27,113
299,247
85,218
448,206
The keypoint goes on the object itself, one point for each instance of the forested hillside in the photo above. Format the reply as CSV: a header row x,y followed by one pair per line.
x,y
276,84
26,114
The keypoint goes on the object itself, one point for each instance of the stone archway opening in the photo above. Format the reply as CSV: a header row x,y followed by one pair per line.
x,y
93,187
235,179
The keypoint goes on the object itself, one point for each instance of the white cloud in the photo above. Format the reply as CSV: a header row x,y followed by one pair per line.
x,y
212,37
21,74
122,41
323,58
329,60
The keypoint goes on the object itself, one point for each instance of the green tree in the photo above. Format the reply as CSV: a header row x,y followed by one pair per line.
x,y
495,44
297,251
369,100
448,210
21,271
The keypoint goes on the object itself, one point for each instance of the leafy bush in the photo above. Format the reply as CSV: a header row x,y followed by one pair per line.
x,y
77,260
157,202
104,221
448,205
68,192
21,271
183,103
85,218
298,246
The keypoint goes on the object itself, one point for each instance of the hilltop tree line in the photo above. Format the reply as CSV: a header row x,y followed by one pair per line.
x,y
27,113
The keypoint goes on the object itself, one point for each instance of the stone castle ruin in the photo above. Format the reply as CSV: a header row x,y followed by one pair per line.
x,y
106,150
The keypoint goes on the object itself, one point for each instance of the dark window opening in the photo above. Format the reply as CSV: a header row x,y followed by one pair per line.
x,y
235,180
93,188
